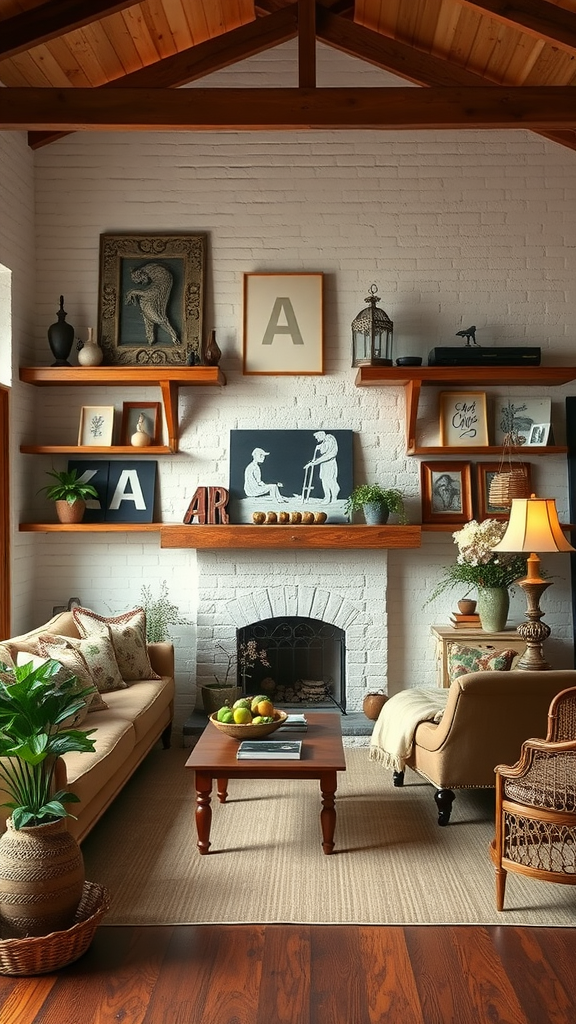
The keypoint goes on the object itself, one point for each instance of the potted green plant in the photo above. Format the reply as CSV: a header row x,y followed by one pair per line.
x,y
161,613
36,708
69,494
377,503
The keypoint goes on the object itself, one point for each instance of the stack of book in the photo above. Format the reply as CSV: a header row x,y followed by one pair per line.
x,y
460,621
293,723
277,750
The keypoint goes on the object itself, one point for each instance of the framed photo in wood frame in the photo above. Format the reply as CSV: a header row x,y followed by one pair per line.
x,y
151,296
485,472
283,324
140,416
96,426
446,492
463,419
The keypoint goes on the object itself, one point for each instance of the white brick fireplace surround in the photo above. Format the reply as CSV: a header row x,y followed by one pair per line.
x,y
344,588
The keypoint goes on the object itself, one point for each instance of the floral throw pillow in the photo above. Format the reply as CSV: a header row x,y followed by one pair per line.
x,y
97,652
462,660
128,635
64,672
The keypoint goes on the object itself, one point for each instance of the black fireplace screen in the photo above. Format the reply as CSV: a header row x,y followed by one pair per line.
x,y
295,660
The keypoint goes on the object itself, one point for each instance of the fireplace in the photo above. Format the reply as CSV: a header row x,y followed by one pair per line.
x,y
341,591
297,661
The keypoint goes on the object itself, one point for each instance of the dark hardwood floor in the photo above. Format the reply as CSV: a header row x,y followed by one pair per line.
x,y
306,974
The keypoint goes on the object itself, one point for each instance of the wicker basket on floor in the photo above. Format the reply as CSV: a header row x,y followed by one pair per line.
x,y
42,954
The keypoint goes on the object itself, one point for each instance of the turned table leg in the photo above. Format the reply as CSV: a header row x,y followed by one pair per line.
x,y
203,810
328,812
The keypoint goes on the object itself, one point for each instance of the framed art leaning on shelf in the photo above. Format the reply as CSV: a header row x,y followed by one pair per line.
x,y
463,419
446,492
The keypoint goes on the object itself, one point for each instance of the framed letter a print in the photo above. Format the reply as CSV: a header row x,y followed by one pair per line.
x,y
283,324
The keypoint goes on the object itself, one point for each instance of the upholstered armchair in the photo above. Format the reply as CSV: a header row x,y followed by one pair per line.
x,y
536,804
482,722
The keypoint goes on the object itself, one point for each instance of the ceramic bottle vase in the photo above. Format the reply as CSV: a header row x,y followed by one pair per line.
x,y
89,351
61,337
41,878
493,605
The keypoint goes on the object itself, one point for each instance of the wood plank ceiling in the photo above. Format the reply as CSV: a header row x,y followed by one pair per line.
x,y
110,64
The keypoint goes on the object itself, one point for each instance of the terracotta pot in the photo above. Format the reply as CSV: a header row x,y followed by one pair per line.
x,y
70,513
41,878
466,606
372,704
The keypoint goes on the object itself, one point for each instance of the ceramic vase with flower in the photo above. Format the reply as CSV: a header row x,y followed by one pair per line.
x,y
493,605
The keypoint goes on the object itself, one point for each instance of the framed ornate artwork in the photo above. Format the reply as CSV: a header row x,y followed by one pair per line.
x,y
283,324
446,492
96,426
463,419
151,299
485,473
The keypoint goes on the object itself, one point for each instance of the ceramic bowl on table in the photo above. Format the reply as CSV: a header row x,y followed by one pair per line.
x,y
249,731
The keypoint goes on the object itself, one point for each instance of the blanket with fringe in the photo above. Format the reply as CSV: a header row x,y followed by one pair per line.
x,y
393,734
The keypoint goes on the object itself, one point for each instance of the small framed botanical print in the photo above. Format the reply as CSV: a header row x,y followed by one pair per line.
x,y
96,426
446,492
463,419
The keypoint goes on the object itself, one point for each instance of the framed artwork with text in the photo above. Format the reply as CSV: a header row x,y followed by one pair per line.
x,y
283,324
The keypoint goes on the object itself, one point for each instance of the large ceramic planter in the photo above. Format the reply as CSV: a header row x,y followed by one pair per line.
x,y
41,879
493,605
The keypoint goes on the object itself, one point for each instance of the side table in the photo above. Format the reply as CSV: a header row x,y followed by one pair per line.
x,y
444,635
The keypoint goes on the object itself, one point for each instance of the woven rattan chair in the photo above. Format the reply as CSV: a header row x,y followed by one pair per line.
x,y
536,804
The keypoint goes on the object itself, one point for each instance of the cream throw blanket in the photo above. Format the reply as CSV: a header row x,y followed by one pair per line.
x,y
393,733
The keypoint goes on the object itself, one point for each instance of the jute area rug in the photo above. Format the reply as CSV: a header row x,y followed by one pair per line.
x,y
392,864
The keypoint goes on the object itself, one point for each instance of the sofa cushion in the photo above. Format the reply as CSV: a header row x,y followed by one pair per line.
x,y
97,652
463,660
141,703
128,635
63,673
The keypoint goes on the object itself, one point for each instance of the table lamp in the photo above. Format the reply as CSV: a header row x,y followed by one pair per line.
x,y
533,526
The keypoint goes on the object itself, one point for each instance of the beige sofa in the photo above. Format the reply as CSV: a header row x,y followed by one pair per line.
x,y
136,718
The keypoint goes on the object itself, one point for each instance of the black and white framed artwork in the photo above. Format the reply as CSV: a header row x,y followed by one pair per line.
x,y
290,470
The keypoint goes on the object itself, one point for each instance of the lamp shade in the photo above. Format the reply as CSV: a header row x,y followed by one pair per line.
x,y
533,526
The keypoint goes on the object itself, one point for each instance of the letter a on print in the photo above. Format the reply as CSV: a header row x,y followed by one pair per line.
x,y
128,489
282,310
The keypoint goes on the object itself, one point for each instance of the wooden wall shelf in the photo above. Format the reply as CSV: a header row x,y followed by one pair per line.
x,y
413,378
168,378
254,537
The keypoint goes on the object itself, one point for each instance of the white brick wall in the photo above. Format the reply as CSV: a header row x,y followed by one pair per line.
x,y
454,227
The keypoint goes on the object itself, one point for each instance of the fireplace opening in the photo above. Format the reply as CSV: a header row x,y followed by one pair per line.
x,y
306,661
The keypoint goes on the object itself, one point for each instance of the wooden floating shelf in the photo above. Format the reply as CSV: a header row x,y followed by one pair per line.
x,y
254,537
413,378
168,378
299,537
94,449
489,450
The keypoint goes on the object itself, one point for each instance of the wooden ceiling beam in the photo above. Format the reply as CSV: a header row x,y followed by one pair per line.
x,y
405,61
54,18
306,44
203,59
543,108
537,17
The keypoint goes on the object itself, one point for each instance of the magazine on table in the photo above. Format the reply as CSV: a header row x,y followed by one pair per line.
x,y
272,749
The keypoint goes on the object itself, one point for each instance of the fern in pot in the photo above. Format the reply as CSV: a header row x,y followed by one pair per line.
x,y
377,503
41,865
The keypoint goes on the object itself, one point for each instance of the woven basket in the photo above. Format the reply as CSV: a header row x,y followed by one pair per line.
x,y
509,484
42,954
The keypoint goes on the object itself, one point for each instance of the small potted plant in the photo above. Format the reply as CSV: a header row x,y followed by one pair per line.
x,y
377,503
69,494
36,709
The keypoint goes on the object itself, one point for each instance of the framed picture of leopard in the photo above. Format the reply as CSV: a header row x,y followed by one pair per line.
x,y
151,297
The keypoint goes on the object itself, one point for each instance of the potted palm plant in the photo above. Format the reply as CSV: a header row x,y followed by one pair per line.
x,y
70,494
41,865
377,503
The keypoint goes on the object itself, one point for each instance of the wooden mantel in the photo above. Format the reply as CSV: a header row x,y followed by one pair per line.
x,y
298,537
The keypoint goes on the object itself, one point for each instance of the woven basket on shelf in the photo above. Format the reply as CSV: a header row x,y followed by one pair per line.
x,y
42,954
508,484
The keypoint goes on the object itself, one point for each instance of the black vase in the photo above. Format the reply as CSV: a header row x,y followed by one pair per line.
x,y
61,337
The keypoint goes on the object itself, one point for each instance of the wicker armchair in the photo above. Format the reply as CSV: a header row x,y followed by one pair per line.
x,y
536,804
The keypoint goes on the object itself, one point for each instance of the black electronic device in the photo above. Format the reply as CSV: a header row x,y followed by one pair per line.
x,y
475,355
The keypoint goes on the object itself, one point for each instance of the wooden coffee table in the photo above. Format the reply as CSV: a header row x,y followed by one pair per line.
x,y
214,757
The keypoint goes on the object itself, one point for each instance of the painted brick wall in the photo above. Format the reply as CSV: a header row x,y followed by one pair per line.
x,y
455,228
